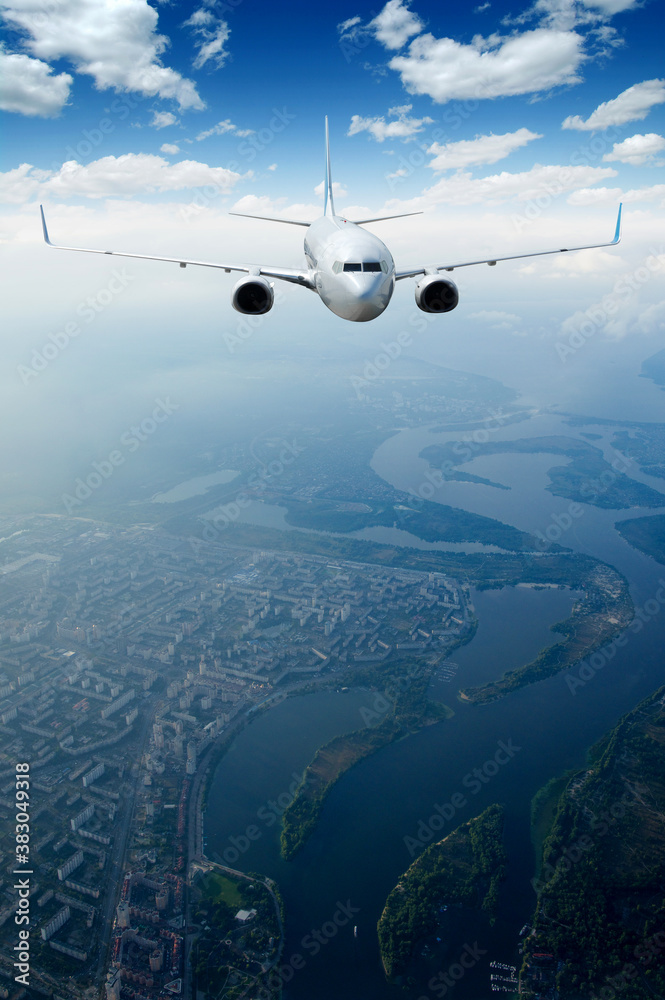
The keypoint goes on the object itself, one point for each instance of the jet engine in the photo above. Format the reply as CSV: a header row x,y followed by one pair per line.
x,y
253,295
436,295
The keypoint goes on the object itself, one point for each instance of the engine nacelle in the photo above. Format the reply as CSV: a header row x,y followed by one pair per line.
x,y
436,295
253,295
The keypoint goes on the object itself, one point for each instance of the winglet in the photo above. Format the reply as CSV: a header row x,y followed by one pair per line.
x,y
617,232
46,239
328,206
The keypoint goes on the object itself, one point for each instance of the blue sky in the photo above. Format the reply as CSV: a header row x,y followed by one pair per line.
x,y
87,80
140,126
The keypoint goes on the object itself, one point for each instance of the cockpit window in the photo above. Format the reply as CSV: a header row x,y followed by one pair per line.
x,y
368,265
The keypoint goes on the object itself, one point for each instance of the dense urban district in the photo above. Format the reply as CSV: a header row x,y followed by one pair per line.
x,y
139,636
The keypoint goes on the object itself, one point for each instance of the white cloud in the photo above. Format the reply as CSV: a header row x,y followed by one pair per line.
x,y
111,176
170,148
495,319
604,195
631,317
162,119
482,149
529,63
221,128
402,127
462,189
115,43
345,26
395,24
631,105
27,86
611,7
392,27
263,205
212,34
273,166
339,191
568,14
636,150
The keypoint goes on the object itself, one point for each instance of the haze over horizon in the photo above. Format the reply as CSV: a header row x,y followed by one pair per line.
x,y
140,127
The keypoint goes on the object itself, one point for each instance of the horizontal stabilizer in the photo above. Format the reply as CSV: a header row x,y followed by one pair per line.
x,y
270,218
382,218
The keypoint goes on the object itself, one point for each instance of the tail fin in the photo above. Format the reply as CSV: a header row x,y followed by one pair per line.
x,y
328,205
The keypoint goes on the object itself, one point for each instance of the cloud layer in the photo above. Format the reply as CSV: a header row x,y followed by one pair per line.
x,y
115,43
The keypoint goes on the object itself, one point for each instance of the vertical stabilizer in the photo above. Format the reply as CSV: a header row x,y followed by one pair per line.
x,y
328,207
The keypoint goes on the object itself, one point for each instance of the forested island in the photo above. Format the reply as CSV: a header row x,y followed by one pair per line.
x,y
587,478
599,918
464,869
646,534
403,708
433,522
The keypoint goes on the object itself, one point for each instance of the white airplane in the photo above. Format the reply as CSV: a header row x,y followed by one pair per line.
x,y
352,271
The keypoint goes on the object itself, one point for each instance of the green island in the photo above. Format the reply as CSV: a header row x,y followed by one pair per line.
x,y
469,477
433,522
587,478
646,445
405,708
646,534
598,925
464,869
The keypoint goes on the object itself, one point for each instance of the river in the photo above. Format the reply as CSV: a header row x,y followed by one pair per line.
x,y
373,819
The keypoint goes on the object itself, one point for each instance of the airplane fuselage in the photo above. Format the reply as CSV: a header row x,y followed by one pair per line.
x,y
353,271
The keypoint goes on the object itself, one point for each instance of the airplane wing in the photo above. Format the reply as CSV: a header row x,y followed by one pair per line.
x,y
299,276
493,260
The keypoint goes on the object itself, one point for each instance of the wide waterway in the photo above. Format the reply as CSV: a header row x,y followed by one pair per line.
x,y
371,821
